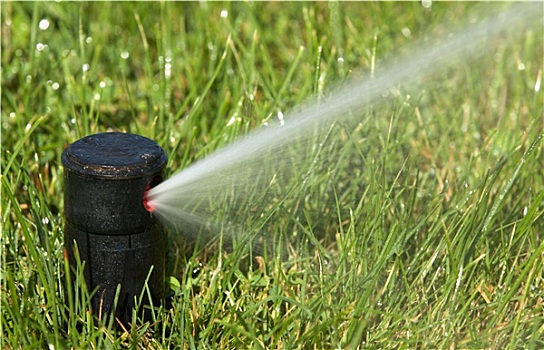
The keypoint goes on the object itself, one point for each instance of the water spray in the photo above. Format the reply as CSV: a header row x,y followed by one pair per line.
x,y
110,222
269,154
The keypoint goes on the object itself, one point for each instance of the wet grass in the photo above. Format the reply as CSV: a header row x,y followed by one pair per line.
x,y
420,227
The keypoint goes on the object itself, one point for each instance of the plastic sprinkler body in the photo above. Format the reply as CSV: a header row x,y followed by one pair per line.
x,y
120,242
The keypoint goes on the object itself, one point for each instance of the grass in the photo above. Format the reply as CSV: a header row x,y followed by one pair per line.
x,y
429,234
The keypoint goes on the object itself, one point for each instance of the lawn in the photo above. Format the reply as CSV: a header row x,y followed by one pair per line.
x,y
412,219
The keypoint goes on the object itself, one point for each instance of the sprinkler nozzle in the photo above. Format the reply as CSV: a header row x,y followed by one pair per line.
x,y
148,203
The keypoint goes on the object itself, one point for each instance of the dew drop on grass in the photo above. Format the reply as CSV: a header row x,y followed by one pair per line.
x,y
167,69
44,24
85,67
40,47
406,32
231,121
124,55
280,118
426,4
55,86
102,84
224,14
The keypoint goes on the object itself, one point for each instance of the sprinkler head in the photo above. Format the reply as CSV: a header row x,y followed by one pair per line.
x,y
122,244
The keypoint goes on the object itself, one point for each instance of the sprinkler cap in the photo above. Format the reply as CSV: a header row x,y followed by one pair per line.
x,y
105,178
114,155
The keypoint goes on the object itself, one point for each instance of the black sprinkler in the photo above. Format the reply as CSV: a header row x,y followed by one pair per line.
x,y
120,242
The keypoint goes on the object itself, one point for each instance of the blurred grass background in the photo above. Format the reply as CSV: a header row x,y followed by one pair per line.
x,y
433,237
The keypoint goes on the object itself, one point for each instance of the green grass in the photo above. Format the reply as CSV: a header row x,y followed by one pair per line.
x,y
430,235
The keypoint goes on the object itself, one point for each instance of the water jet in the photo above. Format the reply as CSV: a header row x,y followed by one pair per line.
x,y
108,220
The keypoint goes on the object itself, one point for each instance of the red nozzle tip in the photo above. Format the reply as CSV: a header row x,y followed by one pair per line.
x,y
148,205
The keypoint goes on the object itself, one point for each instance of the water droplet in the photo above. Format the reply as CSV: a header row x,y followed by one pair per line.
x,y
40,47
426,4
55,86
124,55
12,115
167,70
280,117
89,40
521,66
340,59
96,96
85,67
44,24
406,32
224,14
102,84
231,120
538,82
